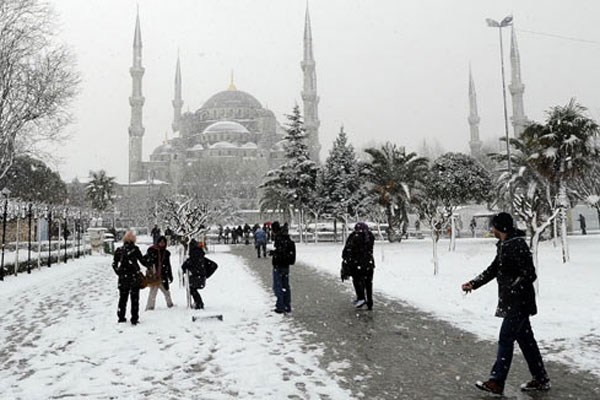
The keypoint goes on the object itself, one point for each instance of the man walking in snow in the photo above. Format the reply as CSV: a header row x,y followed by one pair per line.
x,y
260,241
358,263
283,255
515,273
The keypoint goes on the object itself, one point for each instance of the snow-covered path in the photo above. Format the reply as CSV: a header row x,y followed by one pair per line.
x,y
60,339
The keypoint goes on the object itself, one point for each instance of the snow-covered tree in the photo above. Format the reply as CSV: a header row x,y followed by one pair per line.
x,y
453,179
567,147
37,79
342,180
31,180
295,179
191,216
587,187
393,174
100,190
531,194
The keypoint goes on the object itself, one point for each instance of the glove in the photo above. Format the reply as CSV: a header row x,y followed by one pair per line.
x,y
343,275
467,287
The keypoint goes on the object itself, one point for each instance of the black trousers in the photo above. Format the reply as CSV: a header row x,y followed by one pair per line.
x,y
362,280
124,293
197,298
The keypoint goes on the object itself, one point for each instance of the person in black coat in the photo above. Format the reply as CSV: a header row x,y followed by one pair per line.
x,y
514,272
284,255
358,263
158,260
195,266
126,264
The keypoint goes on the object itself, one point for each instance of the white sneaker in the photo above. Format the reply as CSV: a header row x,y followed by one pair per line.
x,y
359,303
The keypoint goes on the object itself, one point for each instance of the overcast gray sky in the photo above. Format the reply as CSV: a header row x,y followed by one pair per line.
x,y
387,69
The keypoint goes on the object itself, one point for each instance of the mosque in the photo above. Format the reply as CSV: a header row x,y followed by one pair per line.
x,y
231,129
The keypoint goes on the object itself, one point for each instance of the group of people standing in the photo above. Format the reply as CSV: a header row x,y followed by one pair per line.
x,y
127,261
159,274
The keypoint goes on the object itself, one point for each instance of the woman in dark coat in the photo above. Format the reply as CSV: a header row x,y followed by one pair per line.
x,y
158,260
126,264
195,266
358,263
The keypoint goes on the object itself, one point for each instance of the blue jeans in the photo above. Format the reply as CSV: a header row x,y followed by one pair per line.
x,y
517,328
281,287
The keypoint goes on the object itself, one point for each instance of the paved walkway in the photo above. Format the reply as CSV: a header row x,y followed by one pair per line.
x,y
399,352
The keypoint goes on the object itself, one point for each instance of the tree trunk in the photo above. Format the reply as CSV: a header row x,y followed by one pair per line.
x,y
335,230
535,241
597,207
316,227
563,204
452,245
434,241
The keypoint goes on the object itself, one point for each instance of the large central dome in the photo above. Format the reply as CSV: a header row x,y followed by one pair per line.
x,y
232,98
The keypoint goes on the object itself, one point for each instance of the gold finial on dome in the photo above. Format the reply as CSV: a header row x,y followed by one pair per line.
x,y
231,85
166,141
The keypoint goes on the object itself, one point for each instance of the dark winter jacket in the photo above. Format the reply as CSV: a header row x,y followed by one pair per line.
x,y
284,253
155,258
357,256
195,264
126,264
515,273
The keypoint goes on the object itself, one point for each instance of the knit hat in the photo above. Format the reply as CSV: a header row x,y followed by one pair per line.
x,y
361,227
503,222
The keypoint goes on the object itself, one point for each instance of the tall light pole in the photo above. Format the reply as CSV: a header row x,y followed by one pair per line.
x,y
507,21
5,193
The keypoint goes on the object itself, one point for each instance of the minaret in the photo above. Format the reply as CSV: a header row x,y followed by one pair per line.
x,y
178,99
136,101
474,143
516,87
309,93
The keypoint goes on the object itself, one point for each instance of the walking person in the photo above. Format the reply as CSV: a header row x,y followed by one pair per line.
x,y
126,264
155,233
582,224
284,255
260,241
515,273
473,225
358,263
158,260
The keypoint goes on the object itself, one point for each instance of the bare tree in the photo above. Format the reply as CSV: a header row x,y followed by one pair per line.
x,y
37,80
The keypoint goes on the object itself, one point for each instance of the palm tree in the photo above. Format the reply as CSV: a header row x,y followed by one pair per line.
x,y
100,190
566,148
393,174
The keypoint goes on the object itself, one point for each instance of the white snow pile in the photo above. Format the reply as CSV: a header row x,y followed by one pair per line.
x,y
61,339
567,325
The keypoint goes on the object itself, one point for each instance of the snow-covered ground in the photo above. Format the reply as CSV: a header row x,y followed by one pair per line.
x,y
61,339
568,321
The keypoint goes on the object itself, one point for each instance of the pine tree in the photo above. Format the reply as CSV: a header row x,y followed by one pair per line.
x,y
342,179
295,179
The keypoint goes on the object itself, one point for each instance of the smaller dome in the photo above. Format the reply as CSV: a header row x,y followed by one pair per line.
x,y
163,148
197,147
249,145
226,127
223,145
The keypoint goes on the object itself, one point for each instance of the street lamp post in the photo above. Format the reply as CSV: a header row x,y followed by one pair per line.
x,y
66,231
29,219
5,192
50,237
507,21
